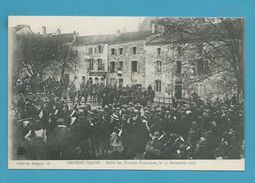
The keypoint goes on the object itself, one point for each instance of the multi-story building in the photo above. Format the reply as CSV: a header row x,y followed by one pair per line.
x,y
93,58
117,59
127,58
175,68
173,65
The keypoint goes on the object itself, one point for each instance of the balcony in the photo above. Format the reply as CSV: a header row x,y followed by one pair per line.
x,y
97,73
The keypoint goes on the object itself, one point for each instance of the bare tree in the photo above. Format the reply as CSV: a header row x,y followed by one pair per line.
x,y
34,53
217,40
38,53
65,56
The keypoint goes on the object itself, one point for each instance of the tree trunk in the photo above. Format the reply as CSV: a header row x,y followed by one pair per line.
x,y
63,69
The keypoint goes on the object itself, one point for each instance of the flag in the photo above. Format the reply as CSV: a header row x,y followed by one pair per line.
x,y
73,119
72,113
41,114
142,112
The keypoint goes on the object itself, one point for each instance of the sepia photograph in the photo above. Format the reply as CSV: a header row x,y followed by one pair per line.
x,y
131,92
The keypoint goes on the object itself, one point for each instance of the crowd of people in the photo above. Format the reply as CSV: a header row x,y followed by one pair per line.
x,y
96,93
127,125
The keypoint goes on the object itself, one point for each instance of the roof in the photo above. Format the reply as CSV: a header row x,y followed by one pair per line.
x,y
66,38
22,29
112,38
93,39
215,31
172,37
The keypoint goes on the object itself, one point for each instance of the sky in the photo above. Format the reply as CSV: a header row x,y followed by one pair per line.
x,y
83,25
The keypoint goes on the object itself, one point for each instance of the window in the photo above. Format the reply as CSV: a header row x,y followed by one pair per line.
x,y
91,65
158,86
134,66
113,51
112,67
158,51
200,67
179,51
203,67
100,49
178,67
67,79
90,50
193,67
178,90
100,64
206,67
158,66
134,49
120,66
121,51
83,78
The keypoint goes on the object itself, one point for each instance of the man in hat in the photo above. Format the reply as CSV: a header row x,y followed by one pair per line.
x,y
20,86
154,147
82,92
58,140
21,106
72,92
36,139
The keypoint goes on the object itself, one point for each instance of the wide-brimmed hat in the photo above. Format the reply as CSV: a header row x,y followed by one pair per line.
x,y
60,121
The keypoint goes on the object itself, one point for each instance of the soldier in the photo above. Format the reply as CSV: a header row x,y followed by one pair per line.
x,y
82,92
72,92
58,141
154,147
20,86
36,139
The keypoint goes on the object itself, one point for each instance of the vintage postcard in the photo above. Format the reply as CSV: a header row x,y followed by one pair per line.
x,y
142,93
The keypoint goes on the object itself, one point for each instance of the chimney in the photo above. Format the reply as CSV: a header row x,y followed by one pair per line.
x,y
75,35
117,33
153,28
43,30
58,31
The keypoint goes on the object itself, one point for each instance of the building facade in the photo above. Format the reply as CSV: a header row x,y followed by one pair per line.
x,y
174,66
93,62
127,59
175,70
